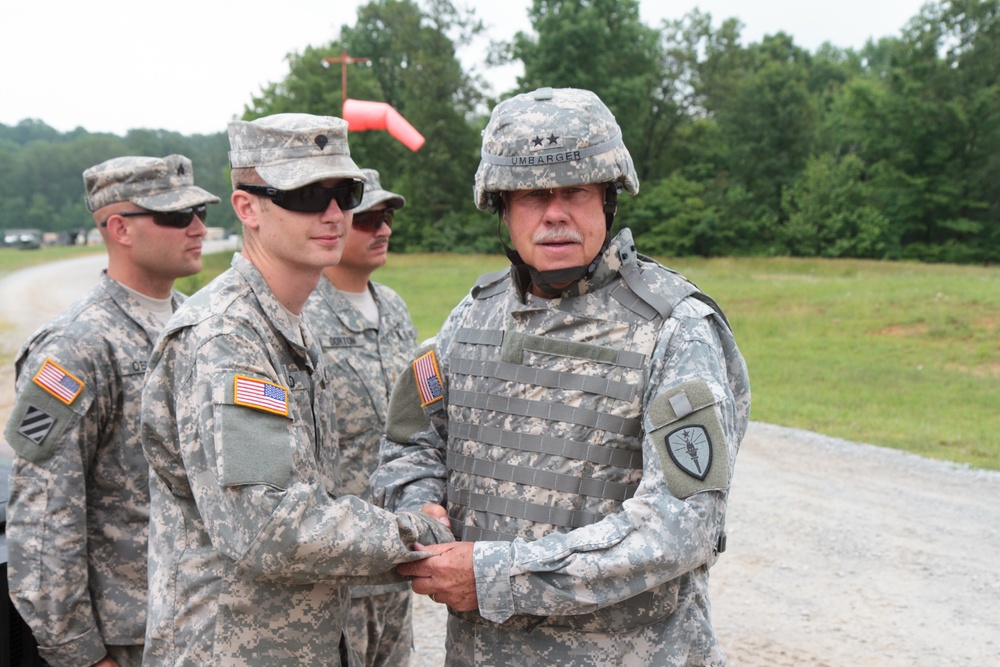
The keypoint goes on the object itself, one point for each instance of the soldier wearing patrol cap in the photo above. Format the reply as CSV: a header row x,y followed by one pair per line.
x,y
578,415
79,497
252,542
366,333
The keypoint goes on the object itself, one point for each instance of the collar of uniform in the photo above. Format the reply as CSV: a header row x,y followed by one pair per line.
x,y
269,303
349,316
133,309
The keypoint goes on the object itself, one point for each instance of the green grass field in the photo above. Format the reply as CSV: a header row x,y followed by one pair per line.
x,y
895,354
12,259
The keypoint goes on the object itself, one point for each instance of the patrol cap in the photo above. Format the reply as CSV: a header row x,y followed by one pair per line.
x,y
551,138
290,150
375,195
155,184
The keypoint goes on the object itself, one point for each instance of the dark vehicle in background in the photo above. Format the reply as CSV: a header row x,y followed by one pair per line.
x,y
25,239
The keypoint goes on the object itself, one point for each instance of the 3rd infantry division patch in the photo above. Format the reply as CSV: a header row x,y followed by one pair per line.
x,y
36,424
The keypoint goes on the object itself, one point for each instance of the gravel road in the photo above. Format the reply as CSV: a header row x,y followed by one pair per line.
x,y
841,554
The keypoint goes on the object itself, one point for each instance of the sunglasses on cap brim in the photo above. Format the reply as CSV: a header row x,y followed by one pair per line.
x,y
371,221
311,198
176,219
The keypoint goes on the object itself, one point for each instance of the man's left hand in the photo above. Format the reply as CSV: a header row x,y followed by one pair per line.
x,y
447,578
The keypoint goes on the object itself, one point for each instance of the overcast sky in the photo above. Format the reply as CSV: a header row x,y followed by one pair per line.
x,y
192,65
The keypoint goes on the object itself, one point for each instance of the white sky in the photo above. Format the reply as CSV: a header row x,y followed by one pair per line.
x,y
191,65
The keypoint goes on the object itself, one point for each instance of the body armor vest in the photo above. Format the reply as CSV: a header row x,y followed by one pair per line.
x,y
545,414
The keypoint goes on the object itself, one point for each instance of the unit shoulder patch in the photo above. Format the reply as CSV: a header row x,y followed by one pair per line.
x,y
690,447
35,424
38,421
690,440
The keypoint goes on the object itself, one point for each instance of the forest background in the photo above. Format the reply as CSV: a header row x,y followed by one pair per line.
x,y
891,151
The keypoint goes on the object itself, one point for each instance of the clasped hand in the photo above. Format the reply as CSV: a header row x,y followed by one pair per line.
x,y
448,577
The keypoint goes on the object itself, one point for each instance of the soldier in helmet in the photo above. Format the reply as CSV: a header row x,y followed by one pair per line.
x,y
576,419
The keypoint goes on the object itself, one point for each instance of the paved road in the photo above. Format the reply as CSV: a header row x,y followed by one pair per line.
x,y
840,554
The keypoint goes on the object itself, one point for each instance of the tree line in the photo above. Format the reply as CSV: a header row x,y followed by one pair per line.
x,y
891,151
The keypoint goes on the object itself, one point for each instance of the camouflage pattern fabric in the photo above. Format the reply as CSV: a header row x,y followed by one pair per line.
x,y
586,444
375,194
551,138
252,545
79,496
380,627
366,360
290,150
155,184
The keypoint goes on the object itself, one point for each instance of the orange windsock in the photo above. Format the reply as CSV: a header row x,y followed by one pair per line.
x,y
363,115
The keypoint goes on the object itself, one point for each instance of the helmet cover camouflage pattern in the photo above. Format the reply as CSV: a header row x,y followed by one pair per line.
x,y
290,150
155,184
375,195
551,138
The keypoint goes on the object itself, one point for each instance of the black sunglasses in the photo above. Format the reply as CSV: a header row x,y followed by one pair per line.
x,y
371,221
176,219
311,198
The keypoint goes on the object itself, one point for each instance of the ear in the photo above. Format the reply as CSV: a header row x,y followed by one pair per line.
x,y
119,230
247,208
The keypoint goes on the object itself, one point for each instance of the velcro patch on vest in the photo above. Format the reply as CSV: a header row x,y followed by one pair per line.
x,y
260,395
38,421
689,438
58,382
428,377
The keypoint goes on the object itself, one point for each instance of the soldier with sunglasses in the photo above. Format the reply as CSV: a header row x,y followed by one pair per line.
x,y
253,541
367,335
79,497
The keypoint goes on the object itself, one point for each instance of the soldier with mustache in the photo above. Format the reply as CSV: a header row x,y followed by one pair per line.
x,y
576,420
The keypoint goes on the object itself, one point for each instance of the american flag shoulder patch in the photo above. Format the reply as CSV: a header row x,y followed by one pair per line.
x,y
58,381
260,395
428,377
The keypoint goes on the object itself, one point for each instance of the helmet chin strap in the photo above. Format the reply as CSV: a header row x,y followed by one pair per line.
x,y
544,280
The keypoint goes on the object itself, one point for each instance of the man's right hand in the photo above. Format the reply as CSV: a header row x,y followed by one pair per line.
x,y
438,512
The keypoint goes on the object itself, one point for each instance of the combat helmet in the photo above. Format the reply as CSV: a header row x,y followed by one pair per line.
x,y
553,138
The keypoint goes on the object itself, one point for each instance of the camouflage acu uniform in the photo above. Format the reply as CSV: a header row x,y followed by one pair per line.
x,y
366,360
252,543
79,498
586,444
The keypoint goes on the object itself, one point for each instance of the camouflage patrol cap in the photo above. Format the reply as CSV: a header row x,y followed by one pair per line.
x,y
155,184
551,138
290,150
375,195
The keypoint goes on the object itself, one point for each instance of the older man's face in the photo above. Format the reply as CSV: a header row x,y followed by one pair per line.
x,y
557,228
